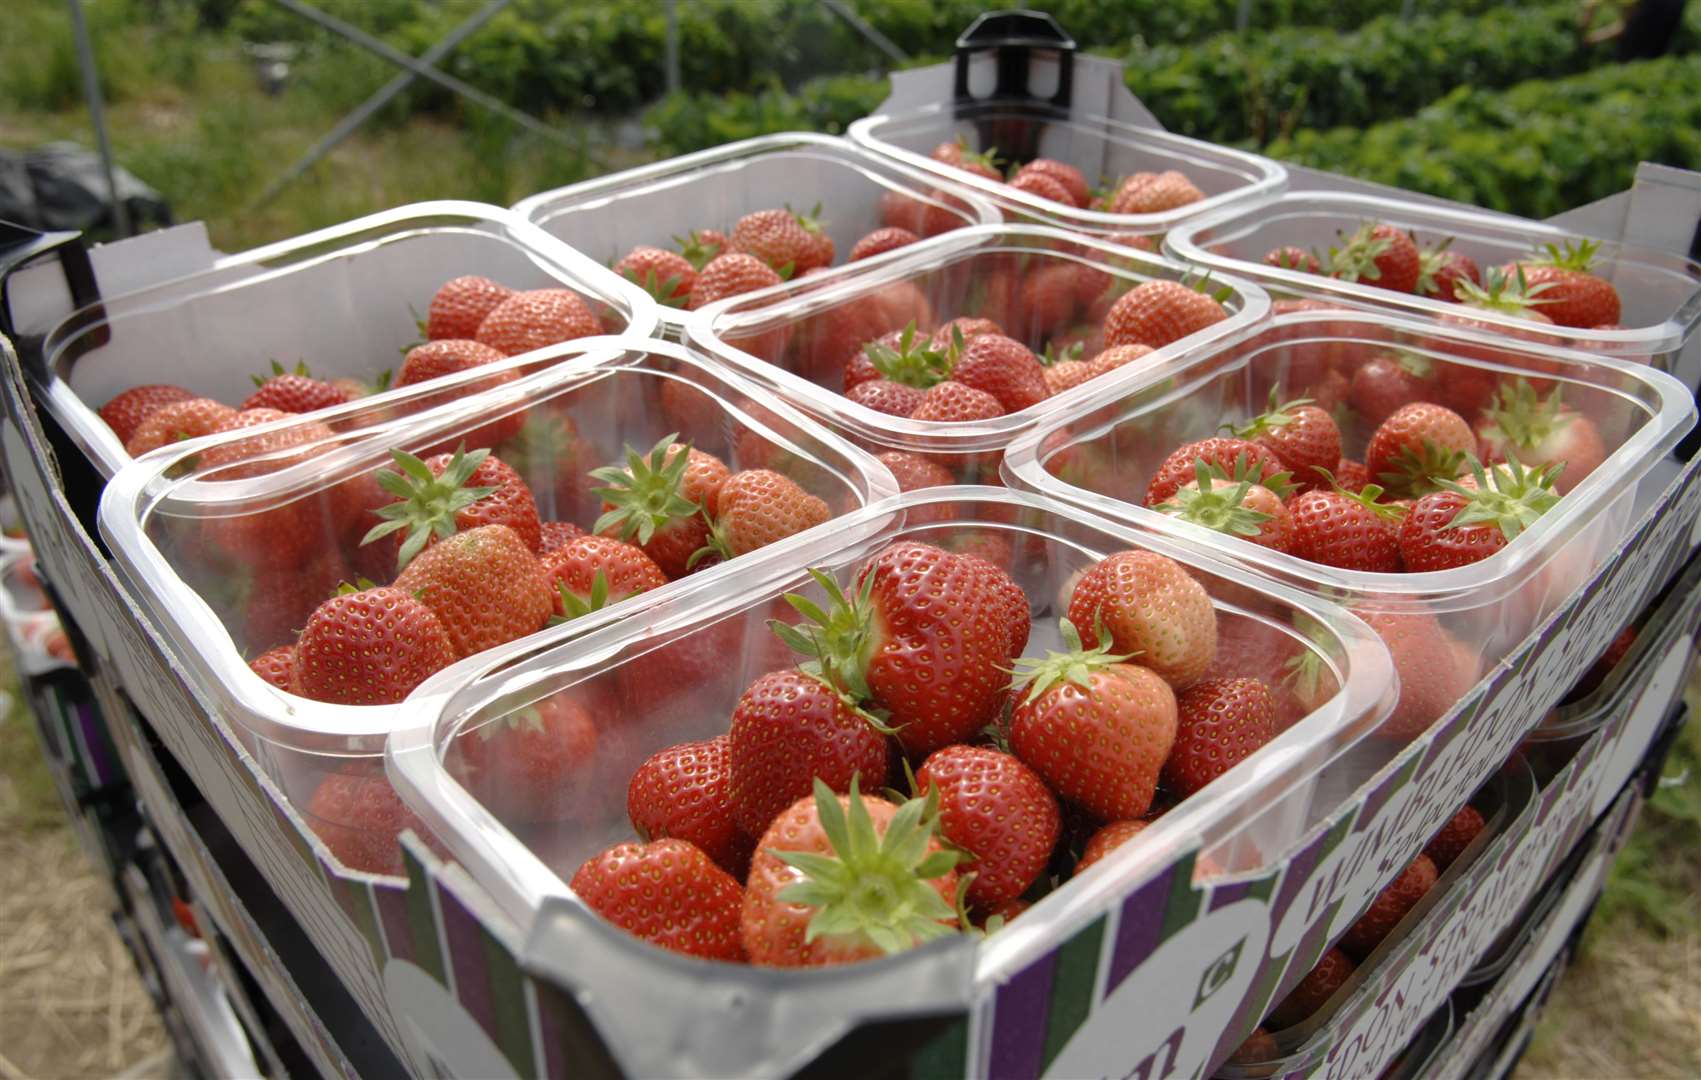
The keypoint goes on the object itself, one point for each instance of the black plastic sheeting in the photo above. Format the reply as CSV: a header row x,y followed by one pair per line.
x,y
62,186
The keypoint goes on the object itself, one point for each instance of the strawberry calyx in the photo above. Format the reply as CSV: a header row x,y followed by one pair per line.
x,y
872,887
717,543
666,292
810,222
279,370
1354,258
839,639
427,502
1220,509
1510,294
644,495
1431,261
1418,470
575,605
1523,418
1281,483
1075,664
1279,415
695,251
914,362
1052,356
1202,286
1578,255
1512,501
1366,497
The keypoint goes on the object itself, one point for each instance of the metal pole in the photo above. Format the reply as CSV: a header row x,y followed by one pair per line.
x,y
425,71
364,112
876,38
673,46
1243,16
97,115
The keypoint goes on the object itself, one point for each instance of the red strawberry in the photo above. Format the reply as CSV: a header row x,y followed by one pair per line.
x,y
730,274
1293,258
461,305
176,421
450,492
1097,730
444,356
1158,312
1379,255
1541,432
369,648
1570,294
914,472
880,241
1459,526
1154,193
1234,459
1602,668
1117,356
1042,186
588,573
485,586
1417,446
789,729
1389,907
1313,991
1065,375
1107,840
901,356
1222,722
782,238
1259,1047
1235,508
837,879
554,535
665,275
1351,476
125,413
951,402
1048,298
1350,530
533,764
359,817
1068,175
1440,270
1017,617
964,326
1150,606
958,155
537,318
1389,381
1302,435
668,893
1004,368
276,666
685,791
657,501
701,246
293,391
281,596
1435,671
886,396
758,507
1454,837
997,809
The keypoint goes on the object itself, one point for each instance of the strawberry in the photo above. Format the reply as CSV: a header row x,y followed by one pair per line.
x,y
1454,837
450,492
461,305
1017,617
1388,381
554,535
1154,193
537,318
1234,459
1158,312
1236,508
178,420
359,817
665,275
1389,907
658,501
588,573
758,507
685,791
1314,991
276,666
700,247
999,811
264,453
925,638
1259,1047
782,238
967,327
958,155
914,472
280,596
1048,298
531,765
901,356
1572,295
1098,730
1074,183
1004,368
1417,446
886,396
1150,606
125,413
1379,255
1602,668
1221,722
1461,525
485,585
1116,356
730,274
668,893
1065,375
880,241
1351,530
842,878
1042,186
1302,435
1107,840
293,391
1293,258
444,356
369,648
1440,270
951,402
1540,432
1435,671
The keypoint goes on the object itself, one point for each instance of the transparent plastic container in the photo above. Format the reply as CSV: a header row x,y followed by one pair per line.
x,y
1102,452
175,524
346,300
1661,293
711,647
1105,150
711,189
799,346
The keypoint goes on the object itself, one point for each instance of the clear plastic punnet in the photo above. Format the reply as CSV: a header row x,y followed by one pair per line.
x,y
1660,292
800,344
345,301
675,672
857,191
229,543
1105,150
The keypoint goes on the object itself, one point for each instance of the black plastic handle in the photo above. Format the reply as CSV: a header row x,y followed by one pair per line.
x,y
19,247
1013,36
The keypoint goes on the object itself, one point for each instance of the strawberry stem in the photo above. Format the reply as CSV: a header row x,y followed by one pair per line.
x,y
427,503
1075,664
